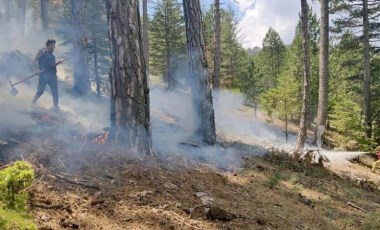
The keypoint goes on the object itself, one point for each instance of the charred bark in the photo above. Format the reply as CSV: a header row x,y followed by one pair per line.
x,y
204,119
367,73
130,118
323,73
96,66
302,134
81,73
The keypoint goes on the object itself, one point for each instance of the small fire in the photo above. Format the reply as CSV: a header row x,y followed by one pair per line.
x,y
101,139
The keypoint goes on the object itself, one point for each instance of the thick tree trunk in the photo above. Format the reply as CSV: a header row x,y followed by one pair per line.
x,y
45,14
302,134
367,73
146,35
323,73
21,4
217,43
80,64
204,119
130,118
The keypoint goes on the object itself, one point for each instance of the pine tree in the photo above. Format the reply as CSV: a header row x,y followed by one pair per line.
x,y
130,93
167,40
204,119
302,134
271,58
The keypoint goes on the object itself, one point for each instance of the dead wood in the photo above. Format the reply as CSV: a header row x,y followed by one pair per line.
x,y
51,206
356,207
76,182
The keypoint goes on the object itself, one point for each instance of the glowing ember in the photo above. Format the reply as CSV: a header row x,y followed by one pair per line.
x,y
101,139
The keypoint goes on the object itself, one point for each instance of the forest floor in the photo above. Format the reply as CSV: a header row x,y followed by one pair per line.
x,y
84,184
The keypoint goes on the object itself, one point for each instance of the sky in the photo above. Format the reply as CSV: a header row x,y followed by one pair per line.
x,y
256,16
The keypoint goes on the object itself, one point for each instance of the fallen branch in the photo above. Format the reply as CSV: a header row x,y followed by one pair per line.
x,y
76,182
356,207
52,206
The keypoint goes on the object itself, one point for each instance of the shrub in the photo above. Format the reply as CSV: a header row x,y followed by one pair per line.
x,y
13,180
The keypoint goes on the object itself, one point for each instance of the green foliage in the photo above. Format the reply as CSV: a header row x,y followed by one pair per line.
x,y
13,180
167,48
274,179
12,220
234,59
372,222
270,59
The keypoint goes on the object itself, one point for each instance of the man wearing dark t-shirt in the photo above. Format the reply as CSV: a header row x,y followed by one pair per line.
x,y
46,67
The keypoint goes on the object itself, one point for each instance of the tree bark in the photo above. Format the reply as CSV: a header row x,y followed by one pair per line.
x,y
130,118
146,35
302,134
217,45
21,15
323,73
82,84
204,120
367,73
45,14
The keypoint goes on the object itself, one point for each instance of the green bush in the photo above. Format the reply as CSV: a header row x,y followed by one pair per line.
x,y
13,180
12,220
275,179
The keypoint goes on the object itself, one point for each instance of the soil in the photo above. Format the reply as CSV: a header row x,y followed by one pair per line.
x,y
82,185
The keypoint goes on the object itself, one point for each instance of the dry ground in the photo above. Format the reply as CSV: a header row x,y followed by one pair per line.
x,y
96,187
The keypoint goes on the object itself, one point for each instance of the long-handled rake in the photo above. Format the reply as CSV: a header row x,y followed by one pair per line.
x,y
14,91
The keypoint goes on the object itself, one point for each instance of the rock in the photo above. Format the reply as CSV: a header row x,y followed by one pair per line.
x,y
170,186
205,199
217,213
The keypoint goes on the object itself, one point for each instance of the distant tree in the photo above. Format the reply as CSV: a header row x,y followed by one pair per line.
x,y
21,5
130,118
302,134
217,45
271,58
204,118
167,35
79,53
363,17
98,44
45,14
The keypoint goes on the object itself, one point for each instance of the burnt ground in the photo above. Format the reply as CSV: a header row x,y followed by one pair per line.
x,y
84,185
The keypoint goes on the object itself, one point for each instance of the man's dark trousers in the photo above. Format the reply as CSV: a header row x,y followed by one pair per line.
x,y
50,80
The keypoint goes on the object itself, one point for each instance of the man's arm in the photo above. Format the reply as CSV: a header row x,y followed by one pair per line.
x,y
36,58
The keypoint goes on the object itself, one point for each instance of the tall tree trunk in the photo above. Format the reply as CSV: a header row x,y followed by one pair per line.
x,y
367,72
145,34
204,119
302,134
323,73
82,83
217,43
96,66
21,4
130,118
45,14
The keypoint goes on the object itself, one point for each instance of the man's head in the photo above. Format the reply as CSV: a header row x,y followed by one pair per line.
x,y
50,44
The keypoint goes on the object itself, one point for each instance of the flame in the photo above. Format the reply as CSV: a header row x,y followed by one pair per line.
x,y
101,139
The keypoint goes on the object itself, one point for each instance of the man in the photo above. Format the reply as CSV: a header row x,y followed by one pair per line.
x,y
46,66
